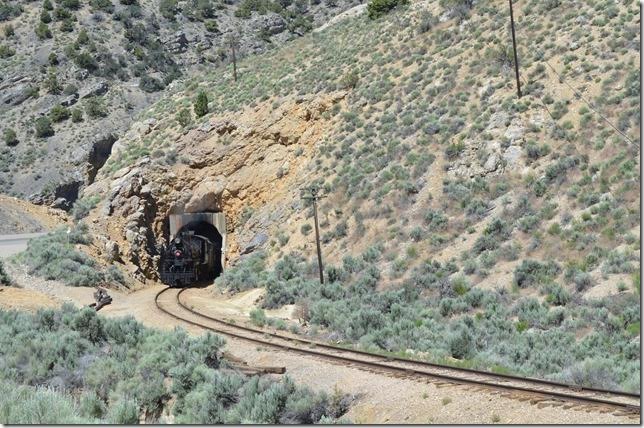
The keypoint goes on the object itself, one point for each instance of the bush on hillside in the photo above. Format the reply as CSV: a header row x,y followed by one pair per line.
x,y
459,9
42,31
43,127
183,117
83,206
378,8
10,137
532,272
59,113
150,84
55,257
247,273
95,107
201,104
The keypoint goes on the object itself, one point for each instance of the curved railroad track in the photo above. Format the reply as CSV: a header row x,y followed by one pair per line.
x,y
537,391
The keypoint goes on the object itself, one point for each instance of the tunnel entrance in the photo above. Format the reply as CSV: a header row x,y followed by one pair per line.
x,y
195,251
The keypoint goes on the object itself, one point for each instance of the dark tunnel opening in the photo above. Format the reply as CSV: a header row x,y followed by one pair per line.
x,y
210,232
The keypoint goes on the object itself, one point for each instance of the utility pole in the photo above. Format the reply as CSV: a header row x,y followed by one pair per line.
x,y
514,46
314,197
232,47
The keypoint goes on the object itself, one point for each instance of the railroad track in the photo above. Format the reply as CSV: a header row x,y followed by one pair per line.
x,y
537,391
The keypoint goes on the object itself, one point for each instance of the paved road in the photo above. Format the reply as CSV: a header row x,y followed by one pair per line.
x,y
12,244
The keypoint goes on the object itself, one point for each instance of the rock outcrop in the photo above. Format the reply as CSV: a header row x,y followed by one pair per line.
x,y
254,159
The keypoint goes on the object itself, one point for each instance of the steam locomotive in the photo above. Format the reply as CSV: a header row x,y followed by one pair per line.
x,y
188,259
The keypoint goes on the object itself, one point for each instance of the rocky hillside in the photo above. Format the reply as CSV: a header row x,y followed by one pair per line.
x,y
459,221
76,73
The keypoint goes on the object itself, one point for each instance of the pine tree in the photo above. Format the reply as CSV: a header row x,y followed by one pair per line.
x,y
201,104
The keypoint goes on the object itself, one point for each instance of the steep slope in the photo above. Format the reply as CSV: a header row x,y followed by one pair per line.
x,y
460,221
76,73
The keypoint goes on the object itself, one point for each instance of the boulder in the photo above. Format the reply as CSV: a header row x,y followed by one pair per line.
x,y
270,24
61,203
177,43
512,155
515,131
257,241
112,252
94,90
207,195
70,100
491,163
82,74
17,95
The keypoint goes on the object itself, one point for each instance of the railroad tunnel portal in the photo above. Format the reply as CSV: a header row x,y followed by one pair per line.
x,y
211,226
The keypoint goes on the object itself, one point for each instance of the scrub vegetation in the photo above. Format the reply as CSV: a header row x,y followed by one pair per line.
x,y
441,317
74,366
55,257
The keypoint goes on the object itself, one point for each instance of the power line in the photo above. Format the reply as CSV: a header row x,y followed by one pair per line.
x,y
590,105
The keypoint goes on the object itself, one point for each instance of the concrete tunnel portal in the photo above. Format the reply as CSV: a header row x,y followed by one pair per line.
x,y
209,225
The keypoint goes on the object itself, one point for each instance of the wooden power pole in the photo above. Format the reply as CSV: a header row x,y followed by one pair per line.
x,y
314,197
514,46
232,47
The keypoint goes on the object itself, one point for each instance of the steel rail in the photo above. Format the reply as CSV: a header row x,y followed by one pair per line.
x,y
630,408
541,382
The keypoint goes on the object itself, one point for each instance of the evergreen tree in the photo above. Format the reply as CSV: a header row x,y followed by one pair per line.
x,y
201,104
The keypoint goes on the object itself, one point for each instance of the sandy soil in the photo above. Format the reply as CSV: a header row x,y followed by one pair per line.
x,y
18,216
26,300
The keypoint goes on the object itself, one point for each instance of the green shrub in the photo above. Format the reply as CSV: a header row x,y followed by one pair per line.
x,y
43,127
258,317
42,31
45,17
104,5
531,272
201,104
150,84
454,150
306,229
20,404
168,9
10,137
460,344
54,257
6,52
184,118
557,295
95,107
248,273
59,113
83,206
457,8
86,61
115,370
377,8
77,115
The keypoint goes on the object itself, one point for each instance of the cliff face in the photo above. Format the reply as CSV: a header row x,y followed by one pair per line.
x,y
250,166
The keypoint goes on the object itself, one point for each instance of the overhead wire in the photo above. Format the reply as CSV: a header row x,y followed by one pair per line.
x,y
590,105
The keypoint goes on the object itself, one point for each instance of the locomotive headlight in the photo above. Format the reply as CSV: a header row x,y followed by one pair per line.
x,y
177,253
